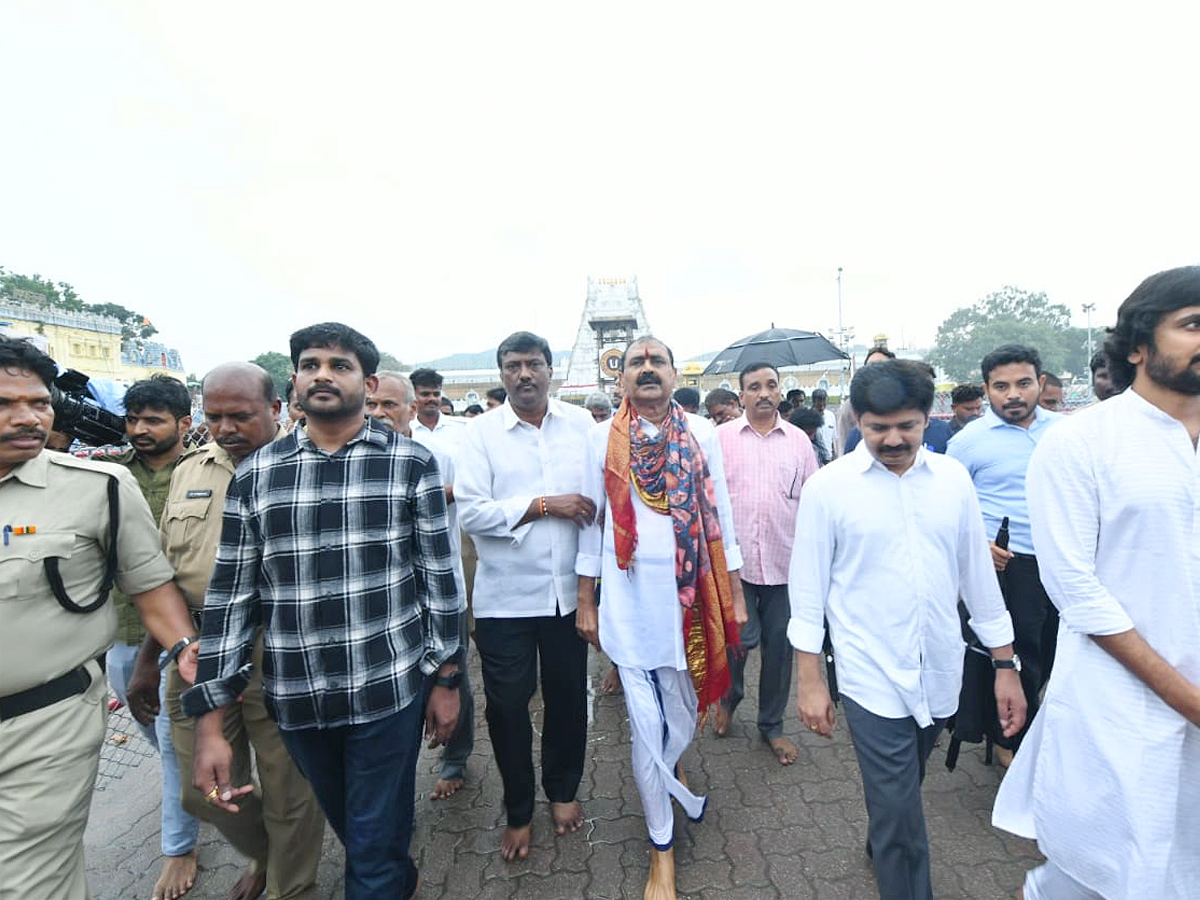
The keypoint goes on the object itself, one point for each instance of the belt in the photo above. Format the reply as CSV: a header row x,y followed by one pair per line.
x,y
1023,555
74,682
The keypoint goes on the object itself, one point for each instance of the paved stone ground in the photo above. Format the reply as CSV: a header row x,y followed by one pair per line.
x,y
770,832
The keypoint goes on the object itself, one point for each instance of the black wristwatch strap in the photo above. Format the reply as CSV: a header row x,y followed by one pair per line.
x,y
173,653
452,681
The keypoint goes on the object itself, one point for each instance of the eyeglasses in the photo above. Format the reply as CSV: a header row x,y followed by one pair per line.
x,y
533,365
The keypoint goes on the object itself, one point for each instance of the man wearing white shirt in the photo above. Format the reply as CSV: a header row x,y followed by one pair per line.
x,y
517,487
1108,777
670,564
392,403
887,538
829,432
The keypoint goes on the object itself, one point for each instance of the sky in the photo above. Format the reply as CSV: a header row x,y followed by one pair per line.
x,y
440,175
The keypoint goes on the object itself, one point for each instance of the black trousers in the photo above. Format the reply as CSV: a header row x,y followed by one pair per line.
x,y
509,653
1035,625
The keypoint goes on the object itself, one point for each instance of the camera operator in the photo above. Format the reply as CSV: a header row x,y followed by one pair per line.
x,y
71,529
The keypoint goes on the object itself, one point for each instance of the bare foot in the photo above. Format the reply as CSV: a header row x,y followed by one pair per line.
x,y
514,843
660,883
446,787
612,682
721,721
785,750
567,816
681,775
252,883
1004,756
177,877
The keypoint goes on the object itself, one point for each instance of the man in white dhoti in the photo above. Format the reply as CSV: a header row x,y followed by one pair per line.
x,y
1108,778
664,543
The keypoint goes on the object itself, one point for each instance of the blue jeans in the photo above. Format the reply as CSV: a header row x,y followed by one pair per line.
x,y
178,830
364,777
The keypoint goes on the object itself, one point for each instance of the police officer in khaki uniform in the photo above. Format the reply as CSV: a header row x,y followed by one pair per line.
x,y
280,829
60,555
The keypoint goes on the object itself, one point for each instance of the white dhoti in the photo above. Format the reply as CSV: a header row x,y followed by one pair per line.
x,y
662,720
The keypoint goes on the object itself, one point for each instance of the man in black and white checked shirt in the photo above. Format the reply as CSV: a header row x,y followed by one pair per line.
x,y
335,542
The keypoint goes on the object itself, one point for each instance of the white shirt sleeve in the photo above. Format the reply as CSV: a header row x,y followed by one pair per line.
x,y
809,570
591,539
711,445
977,576
479,512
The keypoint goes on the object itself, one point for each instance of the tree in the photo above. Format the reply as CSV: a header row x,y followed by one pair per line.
x,y
1009,316
45,293
390,363
279,367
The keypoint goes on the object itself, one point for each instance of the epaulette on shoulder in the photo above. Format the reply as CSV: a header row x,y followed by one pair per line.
x,y
68,461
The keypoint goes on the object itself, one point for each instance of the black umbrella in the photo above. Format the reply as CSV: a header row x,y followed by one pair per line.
x,y
778,347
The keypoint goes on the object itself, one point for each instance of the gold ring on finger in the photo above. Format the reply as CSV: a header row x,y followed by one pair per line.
x,y
213,794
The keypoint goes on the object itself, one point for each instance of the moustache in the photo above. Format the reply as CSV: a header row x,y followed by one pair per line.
x,y
322,388
896,451
648,378
24,433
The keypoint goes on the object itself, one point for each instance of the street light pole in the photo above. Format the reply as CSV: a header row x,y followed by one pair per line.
x,y
1087,308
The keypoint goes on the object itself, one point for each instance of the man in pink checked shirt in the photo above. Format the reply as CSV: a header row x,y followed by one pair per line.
x,y
767,461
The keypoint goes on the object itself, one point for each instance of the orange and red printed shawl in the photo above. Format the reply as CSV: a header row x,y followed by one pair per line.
x,y
670,474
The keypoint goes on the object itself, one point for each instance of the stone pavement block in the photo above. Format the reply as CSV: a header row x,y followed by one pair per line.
x,y
771,832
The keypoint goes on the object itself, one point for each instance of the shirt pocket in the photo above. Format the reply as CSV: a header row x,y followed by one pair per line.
x,y
184,521
22,563
788,479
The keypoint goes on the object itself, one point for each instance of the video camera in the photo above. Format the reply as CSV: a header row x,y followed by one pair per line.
x,y
78,414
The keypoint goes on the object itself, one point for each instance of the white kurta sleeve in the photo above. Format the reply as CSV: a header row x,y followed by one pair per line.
x,y
1064,515
711,445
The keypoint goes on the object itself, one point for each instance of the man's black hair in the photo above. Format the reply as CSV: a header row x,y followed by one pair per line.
x,y
688,397
1140,314
784,409
328,335
887,387
719,397
17,353
966,393
820,394
1052,380
159,392
1099,361
647,339
795,395
805,418
879,348
754,367
498,394
1009,354
288,388
524,342
473,409
426,378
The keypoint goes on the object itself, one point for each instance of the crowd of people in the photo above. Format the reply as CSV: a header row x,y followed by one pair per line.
x,y
287,608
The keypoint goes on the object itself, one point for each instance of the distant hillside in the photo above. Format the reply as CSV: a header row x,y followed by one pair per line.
x,y
484,359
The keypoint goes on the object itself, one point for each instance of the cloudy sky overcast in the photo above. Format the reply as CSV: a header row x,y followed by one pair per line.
x,y
441,174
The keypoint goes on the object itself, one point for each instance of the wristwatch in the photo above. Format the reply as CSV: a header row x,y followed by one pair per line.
x,y
1013,662
451,681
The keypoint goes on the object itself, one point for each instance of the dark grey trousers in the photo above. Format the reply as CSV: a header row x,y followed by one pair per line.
x,y
768,612
891,756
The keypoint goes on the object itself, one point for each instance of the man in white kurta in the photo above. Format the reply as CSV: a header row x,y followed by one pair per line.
x,y
1108,779
640,620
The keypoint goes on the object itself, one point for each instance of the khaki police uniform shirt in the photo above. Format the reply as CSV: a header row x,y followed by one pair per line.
x,y
66,500
191,520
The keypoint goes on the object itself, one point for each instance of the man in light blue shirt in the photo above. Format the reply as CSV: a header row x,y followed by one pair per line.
x,y
996,449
